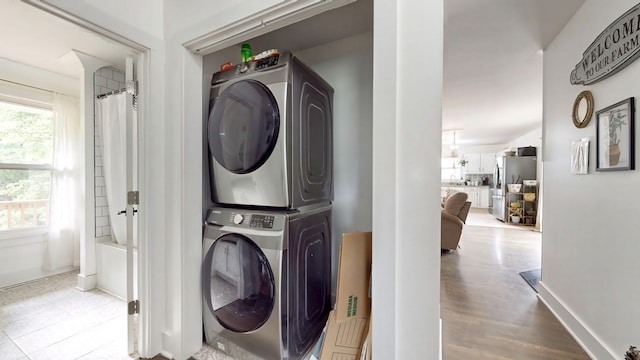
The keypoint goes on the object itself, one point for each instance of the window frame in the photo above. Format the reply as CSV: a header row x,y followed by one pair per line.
x,y
36,106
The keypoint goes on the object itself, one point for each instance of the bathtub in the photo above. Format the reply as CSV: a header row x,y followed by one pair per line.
x,y
111,268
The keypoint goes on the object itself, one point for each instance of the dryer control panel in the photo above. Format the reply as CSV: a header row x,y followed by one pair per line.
x,y
268,63
265,63
257,65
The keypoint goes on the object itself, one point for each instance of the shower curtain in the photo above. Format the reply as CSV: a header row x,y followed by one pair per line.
x,y
111,121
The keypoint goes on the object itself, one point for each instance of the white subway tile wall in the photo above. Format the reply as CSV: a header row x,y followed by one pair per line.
x,y
105,80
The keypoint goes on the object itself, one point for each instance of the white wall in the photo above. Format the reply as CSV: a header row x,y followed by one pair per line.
x,y
478,149
22,259
406,196
589,245
532,138
32,76
209,26
197,17
140,20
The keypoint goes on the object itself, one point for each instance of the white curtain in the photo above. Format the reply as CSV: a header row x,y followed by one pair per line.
x,y
111,119
63,243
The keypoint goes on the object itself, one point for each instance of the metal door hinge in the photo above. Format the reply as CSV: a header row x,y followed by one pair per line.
x,y
133,198
134,307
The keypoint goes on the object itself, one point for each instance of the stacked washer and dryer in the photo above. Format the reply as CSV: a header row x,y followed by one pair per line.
x,y
266,275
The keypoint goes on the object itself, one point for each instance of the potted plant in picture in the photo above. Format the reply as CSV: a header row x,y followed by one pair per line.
x,y
632,354
463,162
616,120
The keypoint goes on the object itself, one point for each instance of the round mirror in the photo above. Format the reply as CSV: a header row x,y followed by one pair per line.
x,y
583,109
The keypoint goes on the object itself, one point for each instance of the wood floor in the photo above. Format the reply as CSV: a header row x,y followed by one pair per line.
x,y
488,311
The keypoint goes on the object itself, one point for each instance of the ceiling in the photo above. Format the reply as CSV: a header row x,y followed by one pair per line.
x,y
493,66
32,37
492,55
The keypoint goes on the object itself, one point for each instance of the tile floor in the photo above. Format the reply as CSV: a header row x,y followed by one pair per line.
x,y
50,319
208,352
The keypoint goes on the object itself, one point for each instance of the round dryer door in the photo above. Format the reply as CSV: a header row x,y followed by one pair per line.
x,y
238,283
243,126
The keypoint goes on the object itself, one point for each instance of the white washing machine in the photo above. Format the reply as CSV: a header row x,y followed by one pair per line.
x,y
266,280
270,135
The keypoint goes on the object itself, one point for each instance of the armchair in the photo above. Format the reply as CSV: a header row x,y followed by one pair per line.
x,y
452,219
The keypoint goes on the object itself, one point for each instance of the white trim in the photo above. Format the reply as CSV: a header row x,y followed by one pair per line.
x,y
440,355
584,336
191,200
22,236
270,19
14,279
88,282
98,30
35,80
150,338
150,261
42,167
25,98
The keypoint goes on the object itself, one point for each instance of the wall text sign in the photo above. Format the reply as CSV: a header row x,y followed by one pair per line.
x,y
615,48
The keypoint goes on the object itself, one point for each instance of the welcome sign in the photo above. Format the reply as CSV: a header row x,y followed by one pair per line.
x,y
616,47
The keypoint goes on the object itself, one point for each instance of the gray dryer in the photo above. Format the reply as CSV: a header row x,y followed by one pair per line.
x,y
270,135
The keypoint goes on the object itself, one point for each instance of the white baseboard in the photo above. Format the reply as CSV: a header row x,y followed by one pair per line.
x,y
22,276
87,282
595,348
440,339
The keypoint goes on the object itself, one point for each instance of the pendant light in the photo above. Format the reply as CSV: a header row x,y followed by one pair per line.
x,y
454,146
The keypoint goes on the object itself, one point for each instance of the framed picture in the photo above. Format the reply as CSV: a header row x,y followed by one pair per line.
x,y
615,137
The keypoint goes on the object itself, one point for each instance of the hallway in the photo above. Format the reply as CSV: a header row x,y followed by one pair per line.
x,y
488,311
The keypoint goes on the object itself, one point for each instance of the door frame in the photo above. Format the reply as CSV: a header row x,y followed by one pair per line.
x,y
141,68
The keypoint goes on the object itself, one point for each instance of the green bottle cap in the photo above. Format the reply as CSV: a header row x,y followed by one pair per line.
x,y
245,52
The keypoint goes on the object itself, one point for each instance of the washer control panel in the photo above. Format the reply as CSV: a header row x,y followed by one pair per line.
x,y
246,219
262,221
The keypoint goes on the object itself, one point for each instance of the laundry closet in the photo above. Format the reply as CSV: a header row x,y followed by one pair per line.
x,y
274,210
175,86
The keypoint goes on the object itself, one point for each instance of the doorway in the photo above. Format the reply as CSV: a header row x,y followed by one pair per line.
x,y
54,56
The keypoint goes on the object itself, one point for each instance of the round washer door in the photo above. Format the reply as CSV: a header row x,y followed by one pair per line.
x,y
243,126
238,283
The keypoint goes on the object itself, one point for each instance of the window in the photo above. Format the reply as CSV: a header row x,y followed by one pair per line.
x,y
26,152
450,169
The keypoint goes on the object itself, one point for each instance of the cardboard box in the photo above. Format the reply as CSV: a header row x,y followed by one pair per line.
x,y
348,323
365,354
354,272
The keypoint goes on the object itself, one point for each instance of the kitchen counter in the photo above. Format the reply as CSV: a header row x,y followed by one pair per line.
x,y
478,194
455,185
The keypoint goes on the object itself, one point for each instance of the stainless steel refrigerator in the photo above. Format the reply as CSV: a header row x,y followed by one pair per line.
x,y
506,171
